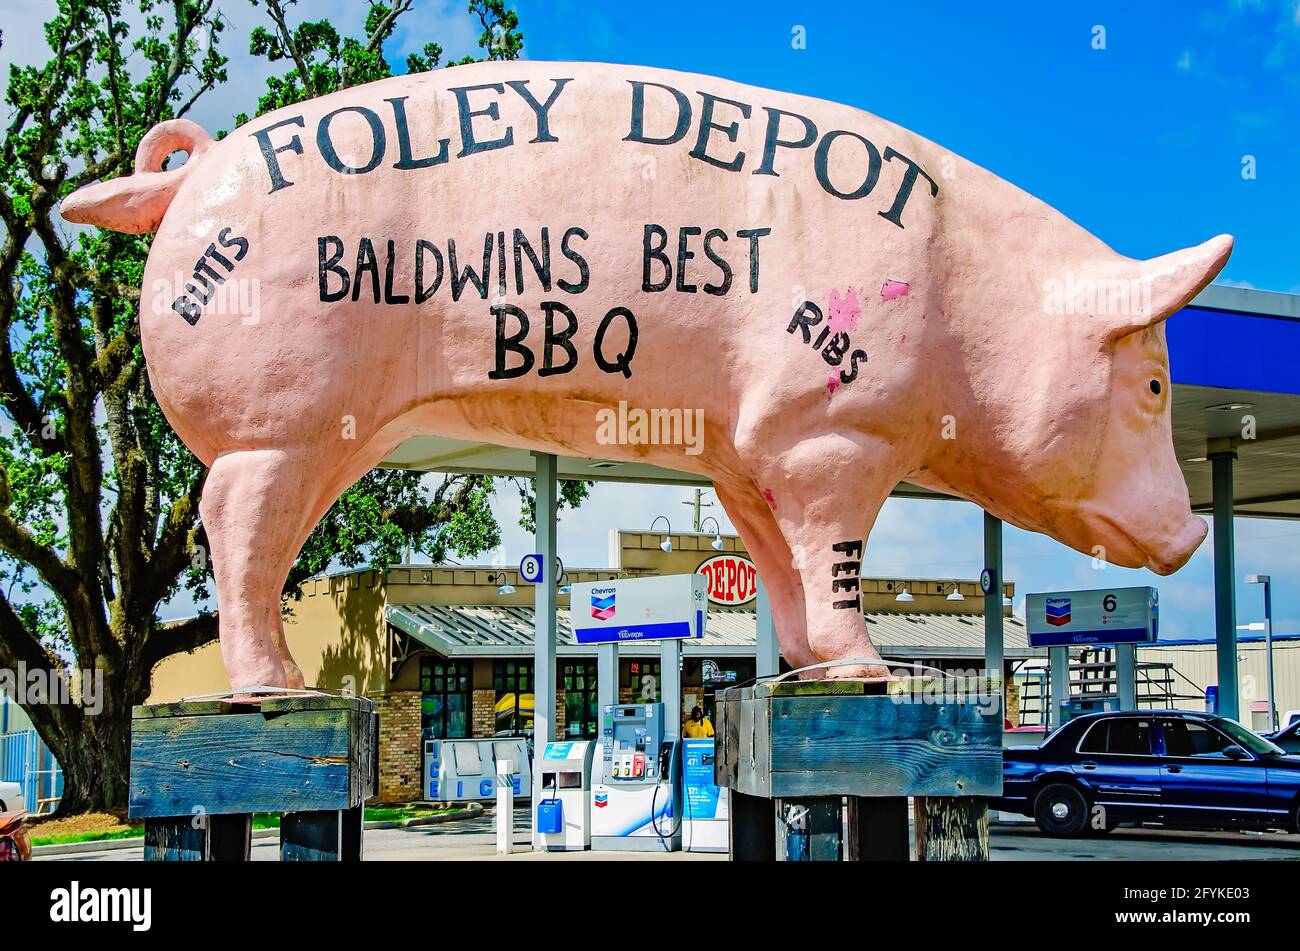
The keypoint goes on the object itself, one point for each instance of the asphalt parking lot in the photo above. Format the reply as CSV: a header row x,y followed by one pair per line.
x,y
475,839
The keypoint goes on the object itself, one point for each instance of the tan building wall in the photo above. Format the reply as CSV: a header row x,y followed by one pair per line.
x,y
336,633
1198,664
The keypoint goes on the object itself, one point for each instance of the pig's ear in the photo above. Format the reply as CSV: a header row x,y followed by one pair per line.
x,y
1168,282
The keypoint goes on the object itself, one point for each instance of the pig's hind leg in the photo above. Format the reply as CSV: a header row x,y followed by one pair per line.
x,y
254,508
826,493
766,545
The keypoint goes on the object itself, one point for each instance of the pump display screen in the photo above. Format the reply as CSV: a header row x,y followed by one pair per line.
x,y
633,734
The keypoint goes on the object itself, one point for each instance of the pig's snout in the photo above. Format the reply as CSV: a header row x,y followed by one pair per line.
x,y
1166,558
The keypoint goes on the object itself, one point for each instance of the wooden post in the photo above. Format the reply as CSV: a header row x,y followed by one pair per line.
x,y
175,839
327,836
195,839
809,830
952,829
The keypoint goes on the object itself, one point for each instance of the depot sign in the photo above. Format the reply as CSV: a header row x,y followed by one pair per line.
x,y
732,578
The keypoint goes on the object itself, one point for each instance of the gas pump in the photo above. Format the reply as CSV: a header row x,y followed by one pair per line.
x,y
636,797
563,795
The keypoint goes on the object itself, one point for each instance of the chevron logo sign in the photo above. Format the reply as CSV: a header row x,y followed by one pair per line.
x,y
1057,611
602,603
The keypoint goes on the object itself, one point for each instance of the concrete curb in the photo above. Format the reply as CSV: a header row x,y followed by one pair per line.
x,y
473,810
114,845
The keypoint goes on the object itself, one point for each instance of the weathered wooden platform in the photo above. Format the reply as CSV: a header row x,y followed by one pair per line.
x,y
833,738
200,769
829,766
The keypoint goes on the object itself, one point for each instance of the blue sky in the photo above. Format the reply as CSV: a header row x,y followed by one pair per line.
x,y
1142,142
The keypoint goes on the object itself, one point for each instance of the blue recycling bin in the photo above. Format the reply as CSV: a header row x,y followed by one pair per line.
x,y
550,817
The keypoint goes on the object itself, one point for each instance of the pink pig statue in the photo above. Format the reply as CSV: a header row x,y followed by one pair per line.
x,y
500,252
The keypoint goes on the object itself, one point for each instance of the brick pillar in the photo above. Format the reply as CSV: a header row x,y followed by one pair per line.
x,y
1013,703
484,712
560,713
400,752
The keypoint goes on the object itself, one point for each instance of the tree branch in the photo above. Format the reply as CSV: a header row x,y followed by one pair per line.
x,y
18,541
276,12
175,637
376,38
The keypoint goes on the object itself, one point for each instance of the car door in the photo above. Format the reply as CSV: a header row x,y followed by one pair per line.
x,y
1115,759
1200,785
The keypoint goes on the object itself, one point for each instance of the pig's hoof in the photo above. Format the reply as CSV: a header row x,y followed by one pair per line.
x,y
858,672
293,676
258,671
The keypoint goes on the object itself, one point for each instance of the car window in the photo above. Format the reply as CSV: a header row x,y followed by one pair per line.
x,y
1245,738
1129,736
1122,736
1189,738
1095,740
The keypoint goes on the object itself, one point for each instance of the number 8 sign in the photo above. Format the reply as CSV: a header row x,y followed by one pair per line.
x,y
530,568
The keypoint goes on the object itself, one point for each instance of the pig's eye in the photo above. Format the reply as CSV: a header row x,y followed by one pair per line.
x,y
1155,387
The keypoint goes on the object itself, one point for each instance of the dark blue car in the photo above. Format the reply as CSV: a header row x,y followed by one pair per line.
x,y
1288,738
1189,770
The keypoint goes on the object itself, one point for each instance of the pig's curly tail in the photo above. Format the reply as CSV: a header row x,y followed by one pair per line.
x,y
136,204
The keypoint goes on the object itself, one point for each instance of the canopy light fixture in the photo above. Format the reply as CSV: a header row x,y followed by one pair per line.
x,y
717,544
667,544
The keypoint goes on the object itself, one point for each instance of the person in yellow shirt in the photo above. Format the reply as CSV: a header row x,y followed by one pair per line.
x,y
697,727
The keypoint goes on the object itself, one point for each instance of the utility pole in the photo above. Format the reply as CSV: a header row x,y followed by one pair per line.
x,y
698,504
1266,581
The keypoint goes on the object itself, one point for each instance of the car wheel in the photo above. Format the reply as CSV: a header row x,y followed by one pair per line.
x,y
1295,819
1060,809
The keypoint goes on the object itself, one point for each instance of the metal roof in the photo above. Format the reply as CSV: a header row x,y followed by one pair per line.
x,y
1210,641
497,631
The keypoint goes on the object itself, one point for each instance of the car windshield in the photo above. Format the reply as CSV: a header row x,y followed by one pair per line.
x,y
1243,737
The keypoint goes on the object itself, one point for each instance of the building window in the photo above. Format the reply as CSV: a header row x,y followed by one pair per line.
x,y
445,699
513,682
578,678
639,682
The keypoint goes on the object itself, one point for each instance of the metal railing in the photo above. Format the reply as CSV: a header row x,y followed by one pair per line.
x,y
25,759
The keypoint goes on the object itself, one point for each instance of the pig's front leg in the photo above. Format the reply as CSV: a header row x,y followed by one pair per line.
x,y
824,498
255,508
